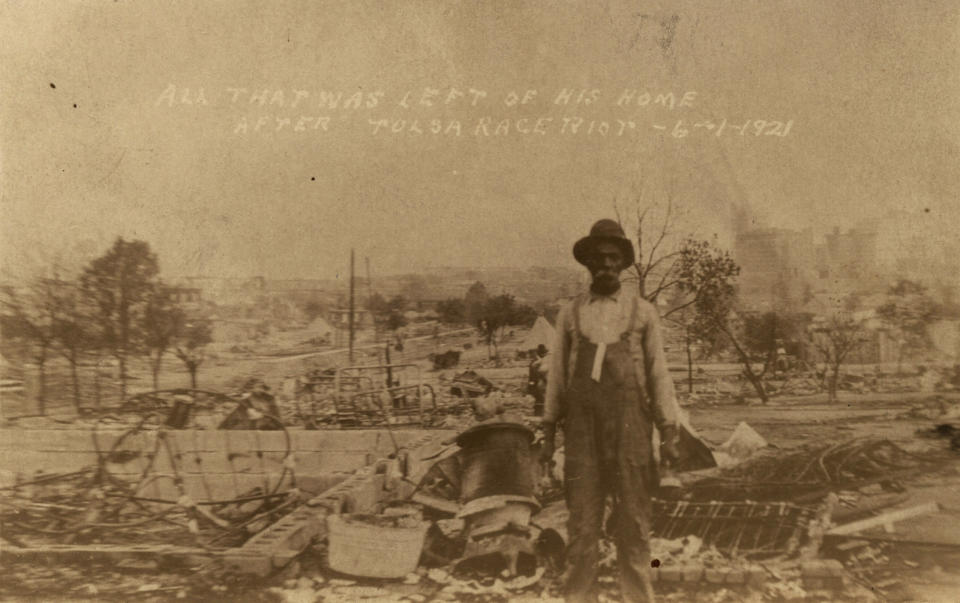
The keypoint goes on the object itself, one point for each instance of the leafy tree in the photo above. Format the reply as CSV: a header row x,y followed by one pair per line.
x,y
452,311
162,322
395,320
706,275
835,338
398,303
376,304
500,312
312,309
524,316
72,332
909,309
764,334
119,283
387,314
697,331
31,316
189,346
475,302
548,309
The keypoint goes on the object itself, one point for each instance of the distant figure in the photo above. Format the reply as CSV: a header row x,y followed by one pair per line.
x,y
781,361
537,379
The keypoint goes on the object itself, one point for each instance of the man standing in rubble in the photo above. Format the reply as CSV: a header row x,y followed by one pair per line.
x,y
609,387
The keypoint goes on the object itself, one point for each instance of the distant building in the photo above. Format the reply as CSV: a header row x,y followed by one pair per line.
x,y
186,295
339,318
851,255
787,268
777,267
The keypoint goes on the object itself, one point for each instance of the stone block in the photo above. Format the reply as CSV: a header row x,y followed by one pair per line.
x,y
715,575
257,565
755,575
671,573
834,568
692,572
736,575
812,569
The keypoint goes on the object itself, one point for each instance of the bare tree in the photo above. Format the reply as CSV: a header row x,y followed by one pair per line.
x,y
706,275
655,266
71,330
189,346
162,323
31,313
118,283
835,339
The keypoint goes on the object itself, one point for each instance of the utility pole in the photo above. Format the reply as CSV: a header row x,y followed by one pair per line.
x,y
351,307
376,329
369,281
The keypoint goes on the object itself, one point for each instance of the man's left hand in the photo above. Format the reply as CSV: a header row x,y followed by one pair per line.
x,y
670,444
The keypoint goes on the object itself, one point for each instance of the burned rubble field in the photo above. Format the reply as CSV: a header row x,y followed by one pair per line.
x,y
851,500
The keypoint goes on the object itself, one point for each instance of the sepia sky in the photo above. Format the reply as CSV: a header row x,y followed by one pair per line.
x,y
93,148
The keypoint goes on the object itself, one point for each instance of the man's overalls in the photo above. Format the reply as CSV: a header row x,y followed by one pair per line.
x,y
608,451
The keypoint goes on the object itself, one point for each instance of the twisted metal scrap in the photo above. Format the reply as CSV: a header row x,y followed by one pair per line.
x,y
94,505
813,469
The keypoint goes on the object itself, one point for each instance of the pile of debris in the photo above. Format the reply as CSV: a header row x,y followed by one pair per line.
x,y
809,474
107,504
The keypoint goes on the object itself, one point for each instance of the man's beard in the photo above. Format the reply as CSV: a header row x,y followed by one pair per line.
x,y
605,283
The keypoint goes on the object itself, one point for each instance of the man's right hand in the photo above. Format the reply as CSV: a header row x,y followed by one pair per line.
x,y
547,447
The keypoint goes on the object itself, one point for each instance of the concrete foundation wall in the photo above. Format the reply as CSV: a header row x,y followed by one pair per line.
x,y
214,465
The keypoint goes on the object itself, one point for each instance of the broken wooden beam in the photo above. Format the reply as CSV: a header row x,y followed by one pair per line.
x,y
280,542
884,519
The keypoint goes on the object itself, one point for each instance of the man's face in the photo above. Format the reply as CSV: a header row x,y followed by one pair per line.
x,y
605,264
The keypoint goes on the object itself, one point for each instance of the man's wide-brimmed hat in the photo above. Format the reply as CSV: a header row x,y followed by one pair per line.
x,y
604,231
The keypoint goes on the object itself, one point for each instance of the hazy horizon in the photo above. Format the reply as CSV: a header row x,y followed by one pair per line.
x,y
95,145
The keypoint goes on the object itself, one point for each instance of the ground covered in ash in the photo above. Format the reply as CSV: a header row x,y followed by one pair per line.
x,y
917,560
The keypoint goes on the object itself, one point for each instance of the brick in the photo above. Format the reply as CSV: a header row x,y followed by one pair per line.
x,y
671,573
210,462
315,484
270,441
341,461
249,564
756,575
280,543
237,440
812,569
56,440
692,572
26,462
211,440
735,576
715,575
834,568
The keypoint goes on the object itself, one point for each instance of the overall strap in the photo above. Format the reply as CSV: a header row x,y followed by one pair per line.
x,y
577,302
633,321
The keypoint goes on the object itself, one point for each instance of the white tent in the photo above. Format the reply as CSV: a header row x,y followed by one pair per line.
x,y
541,333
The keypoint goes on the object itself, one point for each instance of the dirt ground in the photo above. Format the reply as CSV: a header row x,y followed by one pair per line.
x,y
919,561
